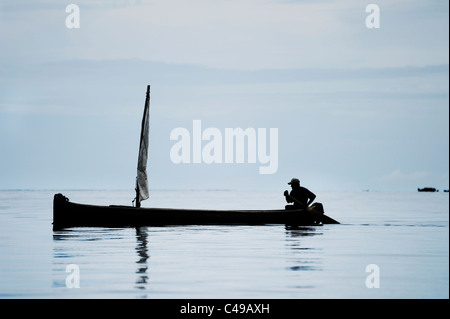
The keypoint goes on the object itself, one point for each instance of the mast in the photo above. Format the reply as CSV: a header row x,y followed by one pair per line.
x,y
141,179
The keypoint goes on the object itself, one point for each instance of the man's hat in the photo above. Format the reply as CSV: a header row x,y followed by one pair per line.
x,y
294,181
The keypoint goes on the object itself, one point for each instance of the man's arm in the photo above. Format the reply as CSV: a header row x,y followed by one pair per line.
x,y
311,198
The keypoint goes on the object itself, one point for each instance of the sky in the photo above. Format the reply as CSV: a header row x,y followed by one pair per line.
x,y
355,108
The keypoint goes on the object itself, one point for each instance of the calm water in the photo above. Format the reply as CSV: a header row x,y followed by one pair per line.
x,y
406,235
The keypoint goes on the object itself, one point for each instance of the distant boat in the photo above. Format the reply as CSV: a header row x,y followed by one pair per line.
x,y
428,189
69,214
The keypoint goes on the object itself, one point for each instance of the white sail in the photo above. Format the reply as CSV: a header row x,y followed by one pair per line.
x,y
142,180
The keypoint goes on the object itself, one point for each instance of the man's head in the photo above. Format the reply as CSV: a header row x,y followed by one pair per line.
x,y
295,182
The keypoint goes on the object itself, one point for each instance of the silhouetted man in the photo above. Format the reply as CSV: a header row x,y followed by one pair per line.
x,y
301,197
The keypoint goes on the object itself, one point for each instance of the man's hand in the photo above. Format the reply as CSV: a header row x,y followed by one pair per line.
x,y
286,193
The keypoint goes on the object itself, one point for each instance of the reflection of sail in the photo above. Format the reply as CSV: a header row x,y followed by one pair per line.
x,y
142,251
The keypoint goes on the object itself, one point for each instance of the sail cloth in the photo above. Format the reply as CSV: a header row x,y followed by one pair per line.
x,y
142,180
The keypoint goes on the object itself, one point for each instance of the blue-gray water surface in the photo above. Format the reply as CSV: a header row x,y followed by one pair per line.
x,y
388,245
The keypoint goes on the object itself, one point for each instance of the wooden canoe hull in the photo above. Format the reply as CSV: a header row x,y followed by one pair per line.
x,y
68,214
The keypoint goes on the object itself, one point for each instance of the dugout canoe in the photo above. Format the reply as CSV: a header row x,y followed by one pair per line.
x,y
69,214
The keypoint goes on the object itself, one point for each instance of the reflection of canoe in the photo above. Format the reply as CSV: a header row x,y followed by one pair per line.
x,y
427,189
68,214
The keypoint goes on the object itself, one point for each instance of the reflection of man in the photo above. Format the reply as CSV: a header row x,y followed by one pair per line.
x,y
301,197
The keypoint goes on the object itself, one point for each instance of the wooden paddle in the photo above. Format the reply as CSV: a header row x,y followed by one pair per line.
x,y
319,215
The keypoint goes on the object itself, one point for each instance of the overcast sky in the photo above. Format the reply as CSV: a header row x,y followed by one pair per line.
x,y
355,108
